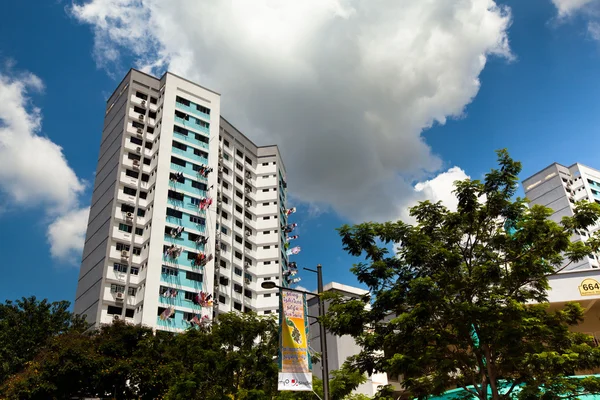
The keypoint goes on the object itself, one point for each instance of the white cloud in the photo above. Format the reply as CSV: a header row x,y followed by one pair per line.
x,y
569,7
441,188
66,235
34,173
589,10
344,87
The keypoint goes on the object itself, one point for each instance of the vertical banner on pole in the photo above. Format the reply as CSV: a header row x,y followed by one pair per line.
x,y
294,359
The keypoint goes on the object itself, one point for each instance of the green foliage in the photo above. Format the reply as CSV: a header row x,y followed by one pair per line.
x,y
453,307
26,325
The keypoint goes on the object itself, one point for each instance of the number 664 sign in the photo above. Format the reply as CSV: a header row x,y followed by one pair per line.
x,y
589,287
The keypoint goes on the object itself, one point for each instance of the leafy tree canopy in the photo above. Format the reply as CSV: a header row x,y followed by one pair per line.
x,y
459,298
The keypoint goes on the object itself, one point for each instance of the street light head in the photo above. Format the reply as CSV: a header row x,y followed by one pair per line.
x,y
268,285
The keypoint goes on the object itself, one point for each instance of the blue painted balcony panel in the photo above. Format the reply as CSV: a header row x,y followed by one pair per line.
x,y
192,123
192,110
186,223
189,153
190,139
187,186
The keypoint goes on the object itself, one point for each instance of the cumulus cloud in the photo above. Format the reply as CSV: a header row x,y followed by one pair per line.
x,y
344,87
33,169
66,235
569,7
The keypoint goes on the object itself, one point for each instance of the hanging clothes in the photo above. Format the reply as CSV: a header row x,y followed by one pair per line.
x,y
293,250
293,265
290,211
286,246
290,238
289,228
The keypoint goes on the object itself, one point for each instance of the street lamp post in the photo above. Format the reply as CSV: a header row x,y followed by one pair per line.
x,y
322,332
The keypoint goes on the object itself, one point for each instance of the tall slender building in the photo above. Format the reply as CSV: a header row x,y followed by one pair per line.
x,y
187,213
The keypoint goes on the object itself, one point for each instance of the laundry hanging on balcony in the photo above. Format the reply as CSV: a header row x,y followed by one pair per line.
x,y
294,250
289,238
205,203
290,272
291,281
199,321
204,170
176,177
167,313
201,259
176,232
290,211
201,240
170,293
203,299
293,265
173,251
289,228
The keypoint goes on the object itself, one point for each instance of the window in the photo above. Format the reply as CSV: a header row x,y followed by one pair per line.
x,y
222,263
248,293
174,213
131,291
237,306
141,95
239,180
267,311
221,299
224,230
180,146
172,194
132,156
132,174
143,195
237,288
120,268
135,140
238,239
145,177
267,262
137,250
122,246
200,153
266,232
141,212
248,160
266,247
266,218
226,170
152,114
193,276
139,110
129,312
178,161
148,145
169,271
238,223
161,310
197,220
238,208
248,215
201,138
239,153
226,143
153,100
139,231
189,296
125,228
135,271
248,277
266,204
238,255
239,166
225,200
237,271
267,295
112,310
225,185
223,281
146,161
225,215
114,288
129,191
199,185
265,190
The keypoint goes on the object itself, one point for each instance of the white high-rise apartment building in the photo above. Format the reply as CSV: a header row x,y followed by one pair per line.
x,y
184,208
559,187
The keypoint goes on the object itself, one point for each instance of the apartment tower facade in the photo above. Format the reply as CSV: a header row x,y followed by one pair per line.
x,y
187,213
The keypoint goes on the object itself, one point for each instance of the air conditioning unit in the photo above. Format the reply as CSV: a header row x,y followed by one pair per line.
x,y
129,215
143,102
139,131
247,281
248,175
141,117
116,317
248,233
248,204
136,162
120,296
124,254
138,150
248,190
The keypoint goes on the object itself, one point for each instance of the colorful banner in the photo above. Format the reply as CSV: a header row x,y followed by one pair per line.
x,y
294,250
295,365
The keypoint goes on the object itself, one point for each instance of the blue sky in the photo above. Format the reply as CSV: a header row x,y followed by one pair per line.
x,y
537,96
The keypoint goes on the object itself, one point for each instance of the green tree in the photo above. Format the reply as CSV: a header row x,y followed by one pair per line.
x,y
26,325
459,299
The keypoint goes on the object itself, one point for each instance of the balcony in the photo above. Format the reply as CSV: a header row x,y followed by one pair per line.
x,y
192,110
190,140
189,124
189,153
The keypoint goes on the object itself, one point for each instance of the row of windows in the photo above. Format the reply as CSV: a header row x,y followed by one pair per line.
x,y
115,288
126,208
112,310
188,103
128,228
123,268
122,246
179,215
143,96
192,276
